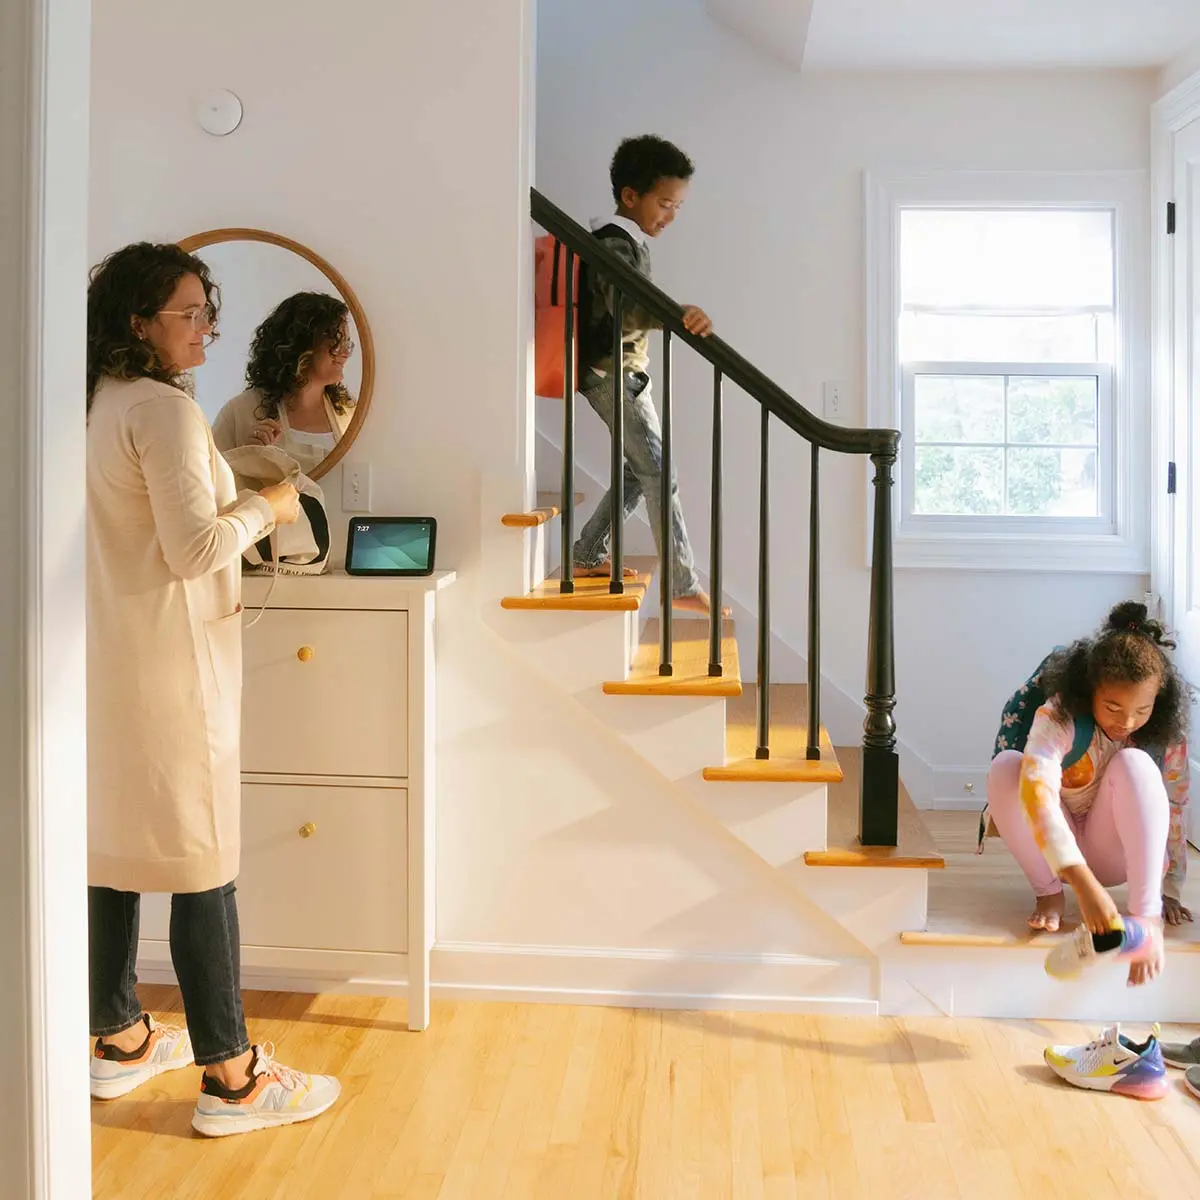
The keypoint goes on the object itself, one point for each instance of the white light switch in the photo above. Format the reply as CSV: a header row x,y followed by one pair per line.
x,y
835,411
356,487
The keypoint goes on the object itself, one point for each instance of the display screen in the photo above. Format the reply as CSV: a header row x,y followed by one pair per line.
x,y
391,545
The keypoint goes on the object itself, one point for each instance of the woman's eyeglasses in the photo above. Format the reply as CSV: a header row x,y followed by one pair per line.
x,y
199,318
343,348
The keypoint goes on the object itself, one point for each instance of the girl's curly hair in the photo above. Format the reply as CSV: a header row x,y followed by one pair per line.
x,y
1131,648
136,281
284,345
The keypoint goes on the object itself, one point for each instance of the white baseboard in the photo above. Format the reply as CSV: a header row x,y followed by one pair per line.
x,y
652,978
954,804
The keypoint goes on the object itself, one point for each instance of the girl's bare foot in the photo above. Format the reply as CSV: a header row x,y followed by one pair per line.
x,y
1048,914
602,570
698,602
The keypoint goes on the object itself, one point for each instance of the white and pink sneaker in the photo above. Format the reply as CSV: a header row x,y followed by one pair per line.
x,y
117,1072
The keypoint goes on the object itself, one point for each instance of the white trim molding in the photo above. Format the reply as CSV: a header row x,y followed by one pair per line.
x,y
1116,542
45,1134
1177,109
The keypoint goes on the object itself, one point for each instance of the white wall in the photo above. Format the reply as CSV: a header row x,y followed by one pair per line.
x,y
549,832
1181,67
771,244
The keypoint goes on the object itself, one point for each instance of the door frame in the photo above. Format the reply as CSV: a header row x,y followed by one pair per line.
x,y
45,1137
1171,113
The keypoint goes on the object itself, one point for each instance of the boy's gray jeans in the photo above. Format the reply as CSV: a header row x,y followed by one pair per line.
x,y
643,479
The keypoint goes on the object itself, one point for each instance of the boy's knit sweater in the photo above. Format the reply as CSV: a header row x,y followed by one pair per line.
x,y
622,238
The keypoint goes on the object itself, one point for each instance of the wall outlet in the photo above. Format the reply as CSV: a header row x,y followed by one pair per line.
x,y
835,400
356,487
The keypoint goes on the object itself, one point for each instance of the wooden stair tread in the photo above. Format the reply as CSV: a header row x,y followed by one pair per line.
x,y
547,509
916,848
689,658
983,900
788,740
591,594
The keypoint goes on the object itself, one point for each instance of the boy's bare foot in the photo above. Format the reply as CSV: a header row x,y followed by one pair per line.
x,y
602,570
698,602
1048,914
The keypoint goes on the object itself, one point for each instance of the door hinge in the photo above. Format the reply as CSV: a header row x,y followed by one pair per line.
x,y
1170,217
1170,479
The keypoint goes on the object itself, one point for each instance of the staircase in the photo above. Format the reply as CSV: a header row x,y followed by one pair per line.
x,y
831,832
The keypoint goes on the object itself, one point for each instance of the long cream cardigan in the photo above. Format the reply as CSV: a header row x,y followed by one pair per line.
x,y
235,422
165,536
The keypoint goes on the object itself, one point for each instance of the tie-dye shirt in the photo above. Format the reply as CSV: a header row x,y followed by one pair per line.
x,y
1046,788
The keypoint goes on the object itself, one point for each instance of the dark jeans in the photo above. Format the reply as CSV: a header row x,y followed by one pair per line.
x,y
643,479
206,951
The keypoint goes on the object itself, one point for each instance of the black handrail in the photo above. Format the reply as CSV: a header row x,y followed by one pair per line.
x,y
879,795
724,357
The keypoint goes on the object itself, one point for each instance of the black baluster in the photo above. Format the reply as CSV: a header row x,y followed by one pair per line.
x,y
617,490
813,749
714,569
879,799
667,535
763,745
567,585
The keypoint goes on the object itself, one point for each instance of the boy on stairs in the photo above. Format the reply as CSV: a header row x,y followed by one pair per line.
x,y
650,178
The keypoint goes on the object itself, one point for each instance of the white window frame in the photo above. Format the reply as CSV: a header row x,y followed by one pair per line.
x,y
1115,541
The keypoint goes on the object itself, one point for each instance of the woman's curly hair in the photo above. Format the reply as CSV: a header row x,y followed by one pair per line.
x,y
284,345
136,281
1131,648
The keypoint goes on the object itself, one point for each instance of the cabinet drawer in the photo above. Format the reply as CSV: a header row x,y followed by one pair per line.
x,y
323,868
326,693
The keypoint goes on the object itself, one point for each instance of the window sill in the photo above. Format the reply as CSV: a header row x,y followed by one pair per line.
x,y
1050,552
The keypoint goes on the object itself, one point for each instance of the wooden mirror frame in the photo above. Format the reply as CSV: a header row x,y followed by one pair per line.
x,y
366,343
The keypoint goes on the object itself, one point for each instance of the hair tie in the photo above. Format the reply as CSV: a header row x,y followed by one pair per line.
x,y
1134,626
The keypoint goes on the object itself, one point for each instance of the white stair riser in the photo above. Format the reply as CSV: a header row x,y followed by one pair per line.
x,y
1012,983
575,651
778,821
678,735
875,904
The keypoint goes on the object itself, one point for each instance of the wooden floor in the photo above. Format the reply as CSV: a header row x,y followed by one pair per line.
x,y
986,894
534,1102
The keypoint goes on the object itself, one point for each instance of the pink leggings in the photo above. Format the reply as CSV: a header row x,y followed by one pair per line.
x,y
1123,836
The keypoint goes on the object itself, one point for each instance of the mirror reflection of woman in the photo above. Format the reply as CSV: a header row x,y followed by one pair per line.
x,y
296,398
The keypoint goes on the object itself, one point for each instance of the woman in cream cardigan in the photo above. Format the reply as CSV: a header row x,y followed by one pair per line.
x,y
166,532
295,398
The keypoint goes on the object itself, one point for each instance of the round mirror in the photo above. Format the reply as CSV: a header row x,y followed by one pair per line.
x,y
294,363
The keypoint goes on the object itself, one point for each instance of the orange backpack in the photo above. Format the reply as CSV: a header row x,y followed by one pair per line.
x,y
550,315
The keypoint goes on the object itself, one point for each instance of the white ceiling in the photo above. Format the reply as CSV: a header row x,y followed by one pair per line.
x,y
947,34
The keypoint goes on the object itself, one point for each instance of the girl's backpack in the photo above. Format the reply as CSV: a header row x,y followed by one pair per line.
x,y
550,315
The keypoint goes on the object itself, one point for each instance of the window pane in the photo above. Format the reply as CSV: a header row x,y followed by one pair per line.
x,y
1052,483
1052,410
959,480
938,337
1006,258
959,408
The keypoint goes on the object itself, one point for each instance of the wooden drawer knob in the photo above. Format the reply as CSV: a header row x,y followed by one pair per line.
x,y
307,829
305,653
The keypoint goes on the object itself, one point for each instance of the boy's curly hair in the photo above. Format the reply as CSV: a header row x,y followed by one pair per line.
x,y
640,162
136,281
283,348
1131,648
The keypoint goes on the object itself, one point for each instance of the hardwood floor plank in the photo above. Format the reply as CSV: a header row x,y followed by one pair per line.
x,y
542,1102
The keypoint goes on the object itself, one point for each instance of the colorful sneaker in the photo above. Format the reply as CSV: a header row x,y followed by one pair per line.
x,y
1134,941
275,1095
1181,1054
117,1072
1112,1063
